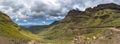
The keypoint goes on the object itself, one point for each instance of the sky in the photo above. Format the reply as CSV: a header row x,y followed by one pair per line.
x,y
44,12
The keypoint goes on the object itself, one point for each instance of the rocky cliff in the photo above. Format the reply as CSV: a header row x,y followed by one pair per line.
x,y
101,20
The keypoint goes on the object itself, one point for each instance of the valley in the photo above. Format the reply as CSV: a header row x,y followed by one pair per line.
x,y
98,25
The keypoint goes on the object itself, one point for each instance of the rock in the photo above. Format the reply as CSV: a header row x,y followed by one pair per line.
x,y
94,37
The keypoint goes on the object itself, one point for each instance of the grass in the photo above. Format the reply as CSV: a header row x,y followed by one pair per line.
x,y
12,30
95,33
62,32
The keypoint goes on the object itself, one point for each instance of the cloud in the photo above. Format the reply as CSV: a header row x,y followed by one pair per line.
x,y
48,9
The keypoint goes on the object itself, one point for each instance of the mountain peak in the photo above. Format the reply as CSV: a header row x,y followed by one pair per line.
x,y
89,25
102,11
107,6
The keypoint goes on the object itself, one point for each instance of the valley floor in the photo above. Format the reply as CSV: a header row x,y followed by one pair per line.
x,y
111,36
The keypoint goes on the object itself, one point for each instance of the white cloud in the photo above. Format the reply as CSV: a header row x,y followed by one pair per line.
x,y
16,19
25,20
50,9
44,22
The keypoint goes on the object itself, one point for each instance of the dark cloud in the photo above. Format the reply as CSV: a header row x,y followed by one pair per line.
x,y
52,9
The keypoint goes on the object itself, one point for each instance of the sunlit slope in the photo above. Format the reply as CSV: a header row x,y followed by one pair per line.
x,y
10,29
80,23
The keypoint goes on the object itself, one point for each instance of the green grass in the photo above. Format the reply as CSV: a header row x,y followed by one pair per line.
x,y
12,30
63,32
95,33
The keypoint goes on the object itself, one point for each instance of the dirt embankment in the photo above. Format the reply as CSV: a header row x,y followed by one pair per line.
x,y
111,36
5,40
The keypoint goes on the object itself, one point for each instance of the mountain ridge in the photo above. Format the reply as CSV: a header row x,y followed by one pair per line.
x,y
12,33
89,24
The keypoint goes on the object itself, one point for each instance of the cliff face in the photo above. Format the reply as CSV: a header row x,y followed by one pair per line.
x,y
101,15
88,23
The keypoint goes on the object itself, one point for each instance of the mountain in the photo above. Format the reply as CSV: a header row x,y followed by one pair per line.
x,y
11,33
35,28
98,25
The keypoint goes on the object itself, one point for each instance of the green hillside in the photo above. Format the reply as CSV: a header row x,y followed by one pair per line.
x,y
12,30
89,23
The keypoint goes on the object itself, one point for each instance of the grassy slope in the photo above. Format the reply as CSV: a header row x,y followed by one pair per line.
x,y
12,30
63,32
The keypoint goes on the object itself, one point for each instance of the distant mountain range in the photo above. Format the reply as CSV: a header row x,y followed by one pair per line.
x,y
35,28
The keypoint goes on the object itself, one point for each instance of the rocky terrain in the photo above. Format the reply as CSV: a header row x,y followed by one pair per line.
x,y
98,25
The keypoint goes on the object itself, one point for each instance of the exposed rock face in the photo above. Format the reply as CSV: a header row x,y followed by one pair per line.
x,y
91,23
75,13
101,12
